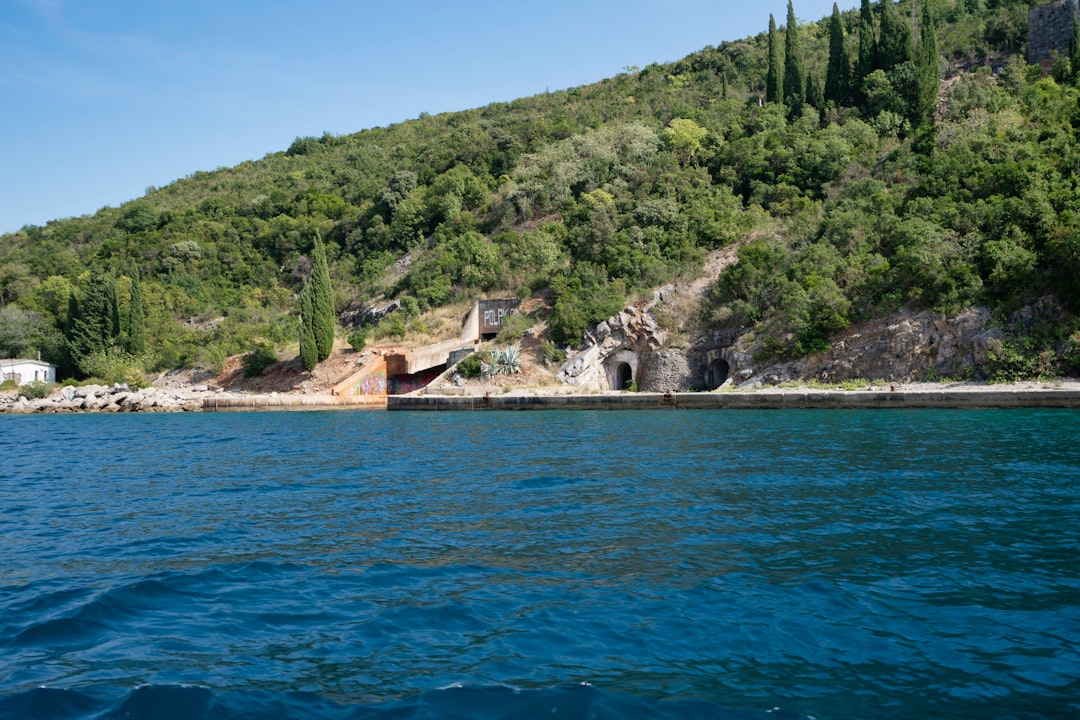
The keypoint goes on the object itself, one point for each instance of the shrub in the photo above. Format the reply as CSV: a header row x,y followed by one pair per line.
x,y
552,354
393,325
37,390
261,357
513,328
1009,362
584,297
410,306
9,385
358,338
112,366
472,366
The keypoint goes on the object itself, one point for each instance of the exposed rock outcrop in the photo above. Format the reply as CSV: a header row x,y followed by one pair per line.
x,y
359,314
903,346
628,349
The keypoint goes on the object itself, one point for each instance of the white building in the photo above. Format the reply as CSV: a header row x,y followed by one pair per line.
x,y
25,372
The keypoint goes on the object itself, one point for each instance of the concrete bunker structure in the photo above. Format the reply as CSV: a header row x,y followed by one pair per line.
x,y
399,372
717,369
622,368
485,320
629,349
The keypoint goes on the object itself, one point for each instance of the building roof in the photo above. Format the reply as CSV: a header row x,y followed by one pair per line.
x,y
7,361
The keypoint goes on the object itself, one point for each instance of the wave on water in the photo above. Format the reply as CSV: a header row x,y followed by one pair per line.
x,y
607,565
473,702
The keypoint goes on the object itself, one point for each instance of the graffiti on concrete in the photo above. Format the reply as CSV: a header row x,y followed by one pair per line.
x,y
492,313
371,384
404,384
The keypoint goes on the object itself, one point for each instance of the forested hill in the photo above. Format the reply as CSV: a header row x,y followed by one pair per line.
x,y
860,166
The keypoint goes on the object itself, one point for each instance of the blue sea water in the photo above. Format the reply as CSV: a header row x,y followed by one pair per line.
x,y
744,565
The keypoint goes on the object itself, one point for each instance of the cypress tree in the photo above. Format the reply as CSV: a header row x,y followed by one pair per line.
x,y
70,364
114,313
867,49
814,95
72,314
322,301
838,75
92,319
894,46
309,352
794,69
136,336
774,89
929,70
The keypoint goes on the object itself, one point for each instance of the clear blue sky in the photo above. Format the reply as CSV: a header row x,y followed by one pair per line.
x,y
105,98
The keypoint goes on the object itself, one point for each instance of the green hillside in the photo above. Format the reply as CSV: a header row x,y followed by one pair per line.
x,y
851,188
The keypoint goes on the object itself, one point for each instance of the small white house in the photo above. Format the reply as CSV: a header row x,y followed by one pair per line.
x,y
25,372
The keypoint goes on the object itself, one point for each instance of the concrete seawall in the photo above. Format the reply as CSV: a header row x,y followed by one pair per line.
x,y
294,402
792,399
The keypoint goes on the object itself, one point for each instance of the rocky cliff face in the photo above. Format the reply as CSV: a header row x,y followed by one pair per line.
x,y
903,346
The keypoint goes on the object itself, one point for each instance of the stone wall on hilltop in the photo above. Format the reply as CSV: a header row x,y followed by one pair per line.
x,y
1050,30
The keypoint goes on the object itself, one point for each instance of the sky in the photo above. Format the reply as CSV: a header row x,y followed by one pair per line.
x,y
102,99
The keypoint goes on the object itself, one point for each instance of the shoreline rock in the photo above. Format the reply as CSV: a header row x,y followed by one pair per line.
x,y
99,398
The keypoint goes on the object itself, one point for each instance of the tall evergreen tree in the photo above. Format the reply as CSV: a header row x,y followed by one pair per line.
x,y
322,300
136,335
929,68
70,366
774,88
114,311
838,74
92,319
794,68
867,50
815,97
309,351
894,45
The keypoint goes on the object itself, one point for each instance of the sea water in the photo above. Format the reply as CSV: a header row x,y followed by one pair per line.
x,y
664,564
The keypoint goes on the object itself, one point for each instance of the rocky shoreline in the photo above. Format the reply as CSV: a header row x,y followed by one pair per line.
x,y
105,399
1063,392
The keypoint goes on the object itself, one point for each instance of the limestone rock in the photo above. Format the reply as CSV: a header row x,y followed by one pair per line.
x,y
906,346
89,390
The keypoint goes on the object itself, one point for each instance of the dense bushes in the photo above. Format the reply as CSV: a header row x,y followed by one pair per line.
x,y
259,358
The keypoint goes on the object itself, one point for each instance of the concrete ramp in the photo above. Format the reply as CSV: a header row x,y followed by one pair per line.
x,y
421,359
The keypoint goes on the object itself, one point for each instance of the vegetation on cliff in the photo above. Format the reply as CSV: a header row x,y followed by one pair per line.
x,y
854,182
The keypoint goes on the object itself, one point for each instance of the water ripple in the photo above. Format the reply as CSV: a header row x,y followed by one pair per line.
x,y
655,565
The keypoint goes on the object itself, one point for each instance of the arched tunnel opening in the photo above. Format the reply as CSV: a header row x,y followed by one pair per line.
x,y
624,374
718,373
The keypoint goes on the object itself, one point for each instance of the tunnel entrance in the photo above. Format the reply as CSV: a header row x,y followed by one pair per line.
x,y
623,375
717,373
